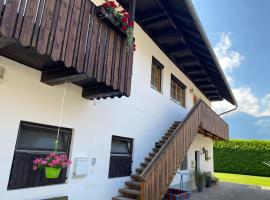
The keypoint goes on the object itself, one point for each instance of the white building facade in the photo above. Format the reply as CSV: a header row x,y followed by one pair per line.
x,y
143,117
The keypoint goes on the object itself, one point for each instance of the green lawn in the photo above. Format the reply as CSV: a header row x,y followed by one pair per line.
x,y
244,179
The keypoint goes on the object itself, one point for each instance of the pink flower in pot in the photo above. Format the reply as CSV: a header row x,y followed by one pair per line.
x,y
52,163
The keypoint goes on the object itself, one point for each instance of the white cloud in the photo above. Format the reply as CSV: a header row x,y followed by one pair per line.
x,y
247,102
266,105
229,60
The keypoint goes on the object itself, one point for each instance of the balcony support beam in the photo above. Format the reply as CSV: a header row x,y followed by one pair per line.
x,y
61,75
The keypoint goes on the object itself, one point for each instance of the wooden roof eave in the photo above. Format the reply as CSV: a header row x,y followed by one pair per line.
x,y
191,40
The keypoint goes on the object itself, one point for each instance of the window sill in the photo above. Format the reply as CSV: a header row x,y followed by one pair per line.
x,y
160,92
119,177
177,102
39,186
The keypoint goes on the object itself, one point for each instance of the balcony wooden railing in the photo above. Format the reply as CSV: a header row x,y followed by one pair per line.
x,y
67,41
157,176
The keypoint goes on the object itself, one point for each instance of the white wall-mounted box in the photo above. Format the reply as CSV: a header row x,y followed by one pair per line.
x,y
81,166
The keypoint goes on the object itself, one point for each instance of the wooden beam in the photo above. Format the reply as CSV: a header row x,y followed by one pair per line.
x,y
200,79
153,22
150,16
61,75
207,87
195,72
212,91
196,44
194,68
184,18
214,96
203,82
180,51
201,53
167,36
218,98
132,9
188,61
192,33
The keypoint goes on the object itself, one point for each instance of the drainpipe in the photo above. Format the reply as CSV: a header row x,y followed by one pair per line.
x,y
226,112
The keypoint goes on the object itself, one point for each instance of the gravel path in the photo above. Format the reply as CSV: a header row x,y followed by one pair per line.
x,y
231,191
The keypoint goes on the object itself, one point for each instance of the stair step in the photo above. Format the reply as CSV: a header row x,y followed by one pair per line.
x,y
177,122
148,159
158,145
122,198
165,137
162,141
136,177
155,150
168,134
143,164
152,154
139,170
133,184
130,191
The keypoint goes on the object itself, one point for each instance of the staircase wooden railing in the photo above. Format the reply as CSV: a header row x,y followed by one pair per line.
x,y
157,176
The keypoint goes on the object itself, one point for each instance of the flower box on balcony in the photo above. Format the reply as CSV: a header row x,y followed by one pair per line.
x,y
110,20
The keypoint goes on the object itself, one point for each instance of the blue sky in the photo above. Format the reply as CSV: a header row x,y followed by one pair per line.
x,y
239,31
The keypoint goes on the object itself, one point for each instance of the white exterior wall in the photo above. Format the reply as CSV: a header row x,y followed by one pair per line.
x,y
144,116
198,144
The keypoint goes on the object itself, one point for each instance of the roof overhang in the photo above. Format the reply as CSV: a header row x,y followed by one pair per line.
x,y
175,27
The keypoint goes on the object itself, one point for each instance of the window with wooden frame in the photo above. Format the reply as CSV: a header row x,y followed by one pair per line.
x,y
178,90
121,157
156,74
36,140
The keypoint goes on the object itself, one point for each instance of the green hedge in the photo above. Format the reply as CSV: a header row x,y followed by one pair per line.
x,y
242,157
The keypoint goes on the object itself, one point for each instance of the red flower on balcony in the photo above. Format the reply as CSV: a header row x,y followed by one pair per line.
x,y
106,5
126,15
122,18
125,20
124,28
123,11
131,24
112,4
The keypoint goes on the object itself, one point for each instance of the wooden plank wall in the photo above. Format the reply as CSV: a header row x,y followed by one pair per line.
x,y
156,178
69,31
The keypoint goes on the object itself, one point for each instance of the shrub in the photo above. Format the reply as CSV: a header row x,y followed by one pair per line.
x,y
242,157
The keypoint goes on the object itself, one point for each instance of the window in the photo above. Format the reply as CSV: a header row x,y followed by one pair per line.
x,y
121,157
156,74
184,164
36,140
178,91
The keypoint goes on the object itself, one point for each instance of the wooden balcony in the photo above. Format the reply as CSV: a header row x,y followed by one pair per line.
x,y
67,41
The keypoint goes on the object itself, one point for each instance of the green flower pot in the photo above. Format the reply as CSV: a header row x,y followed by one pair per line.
x,y
52,172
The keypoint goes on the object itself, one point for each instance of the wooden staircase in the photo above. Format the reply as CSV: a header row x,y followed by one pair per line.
x,y
133,187
152,179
